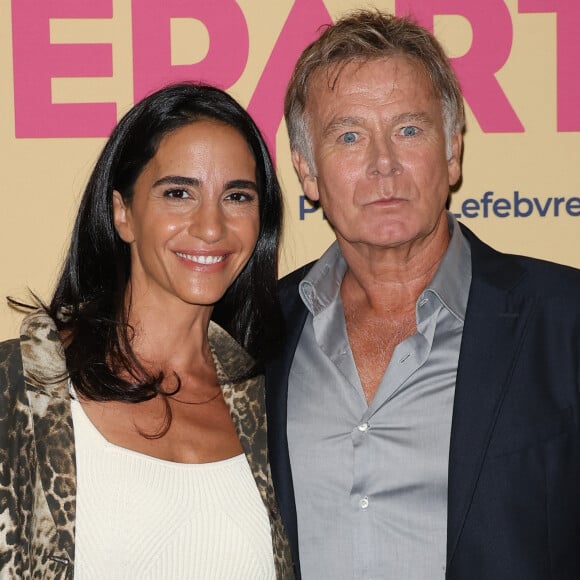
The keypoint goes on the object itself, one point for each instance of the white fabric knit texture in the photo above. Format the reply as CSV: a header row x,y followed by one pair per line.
x,y
143,518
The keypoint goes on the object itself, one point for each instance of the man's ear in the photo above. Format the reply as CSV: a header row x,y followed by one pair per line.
x,y
305,174
454,162
122,218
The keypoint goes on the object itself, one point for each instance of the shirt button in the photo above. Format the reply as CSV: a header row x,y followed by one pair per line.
x,y
364,503
363,427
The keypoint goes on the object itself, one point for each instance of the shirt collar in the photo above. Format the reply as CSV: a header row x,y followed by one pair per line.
x,y
453,277
321,286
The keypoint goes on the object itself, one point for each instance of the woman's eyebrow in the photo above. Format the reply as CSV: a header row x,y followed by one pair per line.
x,y
242,184
177,180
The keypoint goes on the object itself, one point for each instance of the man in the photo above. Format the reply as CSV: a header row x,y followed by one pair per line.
x,y
424,413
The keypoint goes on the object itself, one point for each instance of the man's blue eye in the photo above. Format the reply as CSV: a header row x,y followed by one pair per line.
x,y
349,137
409,131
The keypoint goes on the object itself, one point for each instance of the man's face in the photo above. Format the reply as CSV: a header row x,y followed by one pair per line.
x,y
381,171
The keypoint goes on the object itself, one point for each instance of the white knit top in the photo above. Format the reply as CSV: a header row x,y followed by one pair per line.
x,y
139,517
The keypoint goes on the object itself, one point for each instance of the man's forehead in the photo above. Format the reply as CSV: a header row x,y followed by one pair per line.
x,y
341,75
396,80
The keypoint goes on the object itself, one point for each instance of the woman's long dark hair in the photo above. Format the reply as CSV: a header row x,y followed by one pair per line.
x,y
89,305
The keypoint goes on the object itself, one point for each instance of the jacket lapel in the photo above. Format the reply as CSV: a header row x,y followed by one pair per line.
x,y
277,374
243,392
47,390
244,396
53,432
494,328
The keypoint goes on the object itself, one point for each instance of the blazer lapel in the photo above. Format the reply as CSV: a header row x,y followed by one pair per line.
x,y
277,373
244,396
48,396
494,328
53,432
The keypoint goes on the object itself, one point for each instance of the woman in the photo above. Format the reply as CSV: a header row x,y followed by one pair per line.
x,y
132,429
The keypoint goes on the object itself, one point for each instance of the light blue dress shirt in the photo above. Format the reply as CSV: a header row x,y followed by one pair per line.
x,y
370,481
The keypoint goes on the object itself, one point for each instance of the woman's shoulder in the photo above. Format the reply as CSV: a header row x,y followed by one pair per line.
x,y
38,353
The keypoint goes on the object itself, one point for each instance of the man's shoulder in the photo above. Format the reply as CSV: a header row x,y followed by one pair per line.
x,y
543,277
550,278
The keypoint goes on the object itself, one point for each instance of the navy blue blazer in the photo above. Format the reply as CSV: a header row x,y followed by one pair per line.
x,y
514,458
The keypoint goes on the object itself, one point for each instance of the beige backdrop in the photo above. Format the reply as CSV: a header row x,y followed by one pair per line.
x,y
43,176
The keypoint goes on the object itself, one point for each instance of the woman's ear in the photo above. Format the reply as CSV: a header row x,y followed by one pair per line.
x,y
122,218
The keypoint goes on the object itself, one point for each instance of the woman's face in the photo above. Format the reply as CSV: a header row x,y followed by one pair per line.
x,y
193,222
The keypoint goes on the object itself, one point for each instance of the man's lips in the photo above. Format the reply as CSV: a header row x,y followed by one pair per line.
x,y
386,201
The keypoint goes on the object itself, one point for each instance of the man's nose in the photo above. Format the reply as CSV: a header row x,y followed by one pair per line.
x,y
383,158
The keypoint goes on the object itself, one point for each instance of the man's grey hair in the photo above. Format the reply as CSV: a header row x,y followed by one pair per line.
x,y
366,35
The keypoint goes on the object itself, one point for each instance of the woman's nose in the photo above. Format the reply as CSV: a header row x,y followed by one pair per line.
x,y
207,222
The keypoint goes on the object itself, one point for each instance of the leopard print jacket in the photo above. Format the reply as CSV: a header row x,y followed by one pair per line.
x,y
37,453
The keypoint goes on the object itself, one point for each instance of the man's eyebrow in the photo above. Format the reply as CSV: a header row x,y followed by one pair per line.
x,y
342,123
348,122
413,117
